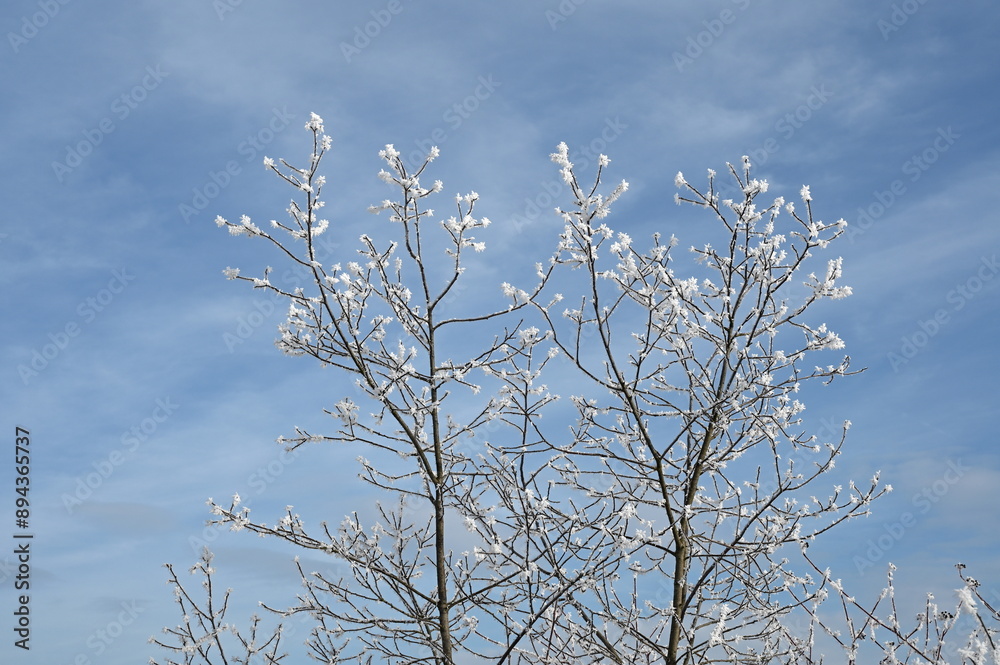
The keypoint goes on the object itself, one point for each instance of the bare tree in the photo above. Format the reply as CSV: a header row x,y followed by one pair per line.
x,y
667,522
203,635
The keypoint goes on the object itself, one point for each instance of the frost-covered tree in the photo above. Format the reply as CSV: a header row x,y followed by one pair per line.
x,y
661,514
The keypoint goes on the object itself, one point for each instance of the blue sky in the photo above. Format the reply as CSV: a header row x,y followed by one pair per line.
x,y
127,127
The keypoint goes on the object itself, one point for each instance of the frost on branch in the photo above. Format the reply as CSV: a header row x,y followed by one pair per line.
x,y
690,414
204,635
662,513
